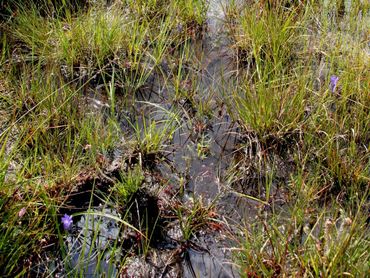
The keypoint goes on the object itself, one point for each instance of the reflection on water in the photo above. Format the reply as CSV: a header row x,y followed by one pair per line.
x,y
92,250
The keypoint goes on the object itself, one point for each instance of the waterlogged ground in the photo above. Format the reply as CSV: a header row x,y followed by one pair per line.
x,y
190,166
197,158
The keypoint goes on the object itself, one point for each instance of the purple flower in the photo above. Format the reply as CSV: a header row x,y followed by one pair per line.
x,y
67,222
333,83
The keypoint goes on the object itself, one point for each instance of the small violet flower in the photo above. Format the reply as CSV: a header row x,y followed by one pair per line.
x,y
67,222
333,83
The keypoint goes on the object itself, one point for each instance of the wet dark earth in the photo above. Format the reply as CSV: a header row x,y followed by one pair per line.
x,y
184,219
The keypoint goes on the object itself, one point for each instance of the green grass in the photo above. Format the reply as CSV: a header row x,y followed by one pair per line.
x,y
329,246
131,182
287,111
194,216
296,134
49,136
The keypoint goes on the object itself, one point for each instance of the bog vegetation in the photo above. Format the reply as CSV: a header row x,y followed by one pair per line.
x,y
94,96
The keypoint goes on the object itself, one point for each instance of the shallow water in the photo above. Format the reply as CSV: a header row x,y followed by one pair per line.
x,y
199,155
